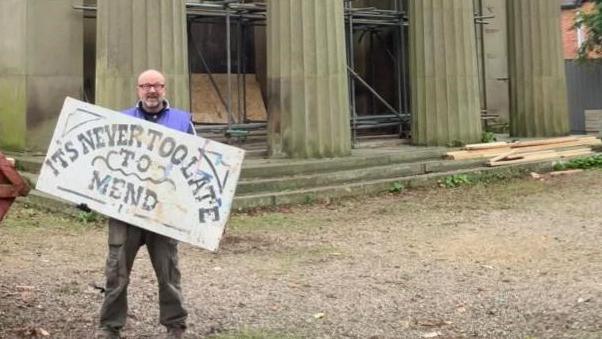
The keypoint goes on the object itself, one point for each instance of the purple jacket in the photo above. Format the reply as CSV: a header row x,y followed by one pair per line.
x,y
168,117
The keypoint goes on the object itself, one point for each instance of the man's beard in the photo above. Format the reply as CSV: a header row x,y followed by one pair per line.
x,y
152,104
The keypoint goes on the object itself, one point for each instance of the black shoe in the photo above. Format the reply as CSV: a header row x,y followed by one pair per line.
x,y
175,332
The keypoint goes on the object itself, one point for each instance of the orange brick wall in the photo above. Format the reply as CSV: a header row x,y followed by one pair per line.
x,y
569,36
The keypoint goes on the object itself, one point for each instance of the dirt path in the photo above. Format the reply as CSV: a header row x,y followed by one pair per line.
x,y
521,259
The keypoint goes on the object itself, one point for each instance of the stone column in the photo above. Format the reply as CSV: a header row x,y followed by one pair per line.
x,y
538,96
40,64
443,72
308,102
136,35
13,74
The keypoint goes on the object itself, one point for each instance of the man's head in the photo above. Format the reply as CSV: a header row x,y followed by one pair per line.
x,y
151,90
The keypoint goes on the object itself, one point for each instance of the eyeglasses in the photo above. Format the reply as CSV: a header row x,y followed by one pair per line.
x,y
147,87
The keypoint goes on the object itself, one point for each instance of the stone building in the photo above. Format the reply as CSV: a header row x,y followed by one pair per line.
x,y
454,69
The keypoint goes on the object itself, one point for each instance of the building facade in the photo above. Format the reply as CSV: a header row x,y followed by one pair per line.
x,y
307,74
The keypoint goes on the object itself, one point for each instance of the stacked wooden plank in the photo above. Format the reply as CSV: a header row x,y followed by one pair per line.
x,y
505,153
593,121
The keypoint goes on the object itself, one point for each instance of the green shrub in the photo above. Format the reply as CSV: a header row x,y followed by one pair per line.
x,y
87,217
488,137
594,161
397,187
456,180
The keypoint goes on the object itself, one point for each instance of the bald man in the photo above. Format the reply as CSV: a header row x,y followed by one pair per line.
x,y
126,239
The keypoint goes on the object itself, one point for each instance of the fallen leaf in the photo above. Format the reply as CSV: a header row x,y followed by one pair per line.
x,y
27,297
432,334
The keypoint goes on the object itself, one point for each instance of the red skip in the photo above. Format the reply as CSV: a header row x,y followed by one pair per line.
x,y
12,185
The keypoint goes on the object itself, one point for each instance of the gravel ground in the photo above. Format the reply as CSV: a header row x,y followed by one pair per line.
x,y
520,259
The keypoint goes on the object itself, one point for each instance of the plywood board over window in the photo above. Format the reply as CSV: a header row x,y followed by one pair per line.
x,y
208,108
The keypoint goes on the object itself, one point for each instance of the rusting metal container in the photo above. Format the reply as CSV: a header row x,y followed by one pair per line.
x,y
12,185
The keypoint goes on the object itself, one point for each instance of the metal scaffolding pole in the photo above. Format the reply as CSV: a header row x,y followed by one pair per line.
x,y
229,66
367,19
403,67
351,63
244,73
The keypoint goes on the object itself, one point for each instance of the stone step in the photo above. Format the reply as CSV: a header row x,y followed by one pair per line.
x,y
256,167
362,188
28,163
324,193
247,186
288,183
269,182
271,168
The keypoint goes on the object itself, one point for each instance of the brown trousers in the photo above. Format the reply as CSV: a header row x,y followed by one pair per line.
x,y
124,242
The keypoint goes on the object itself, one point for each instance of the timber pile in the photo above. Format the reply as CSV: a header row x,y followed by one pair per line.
x,y
505,153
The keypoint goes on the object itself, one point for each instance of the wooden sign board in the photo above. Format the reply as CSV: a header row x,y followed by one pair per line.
x,y
172,183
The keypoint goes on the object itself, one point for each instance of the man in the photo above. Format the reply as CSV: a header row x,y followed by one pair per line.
x,y
125,239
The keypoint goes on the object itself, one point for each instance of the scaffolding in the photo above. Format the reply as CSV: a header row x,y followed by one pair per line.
x,y
243,15
372,20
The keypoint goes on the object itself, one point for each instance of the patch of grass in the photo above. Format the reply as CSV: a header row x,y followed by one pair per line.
x,y
272,221
488,194
489,177
88,217
456,180
22,216
500,175
309,199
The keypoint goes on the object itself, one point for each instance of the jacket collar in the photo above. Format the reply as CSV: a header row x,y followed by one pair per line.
x,y
153,116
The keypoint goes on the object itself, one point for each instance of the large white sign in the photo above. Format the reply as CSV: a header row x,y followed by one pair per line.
x,y
172,183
